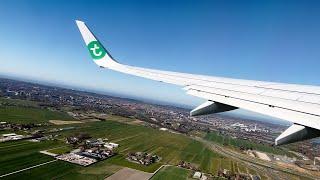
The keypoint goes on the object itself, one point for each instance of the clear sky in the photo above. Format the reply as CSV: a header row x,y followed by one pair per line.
x,y
269,40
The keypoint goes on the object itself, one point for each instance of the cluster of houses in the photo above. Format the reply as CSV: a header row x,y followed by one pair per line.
x,y
17,126
77,139
230,175
143,158
11,137
97,149
95,153
101,143
76,159
199,175
26,128
187,165
89,151
243,127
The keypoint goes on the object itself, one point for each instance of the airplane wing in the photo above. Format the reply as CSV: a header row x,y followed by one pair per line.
x,y
299,104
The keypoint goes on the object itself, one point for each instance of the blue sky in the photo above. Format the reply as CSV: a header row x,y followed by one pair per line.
x,y
259,40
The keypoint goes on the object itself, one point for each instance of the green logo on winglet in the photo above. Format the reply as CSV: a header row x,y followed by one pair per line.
x,y
96,50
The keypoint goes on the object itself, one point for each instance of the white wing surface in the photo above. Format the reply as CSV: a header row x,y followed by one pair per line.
x,y
299,104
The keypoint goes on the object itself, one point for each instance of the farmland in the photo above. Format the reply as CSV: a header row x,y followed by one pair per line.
x,y
21,154
225,140
172,148
172,173
26,115
23,112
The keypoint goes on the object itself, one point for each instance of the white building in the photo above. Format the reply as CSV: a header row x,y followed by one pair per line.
x,y
114,145
111,145
197,175
108,146
9,135
163,129
239,125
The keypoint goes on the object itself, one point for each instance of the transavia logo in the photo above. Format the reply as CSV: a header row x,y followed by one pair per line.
x,y
96,50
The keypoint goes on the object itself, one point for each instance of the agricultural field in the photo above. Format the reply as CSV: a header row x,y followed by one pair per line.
x,y
18,102
120,160
172,148
22,154
25,115
225,140
57,169
172,173
60,150
23,112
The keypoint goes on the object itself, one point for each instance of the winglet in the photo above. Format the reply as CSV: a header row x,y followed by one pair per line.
x,y
98,53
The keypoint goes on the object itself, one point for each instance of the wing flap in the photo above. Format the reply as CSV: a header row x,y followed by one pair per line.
x,y
297,117
282,102
296,133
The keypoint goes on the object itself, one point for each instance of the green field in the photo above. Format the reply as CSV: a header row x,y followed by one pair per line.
x,y
121,161
61,150
24,115
53,170
172,148
226,140
22,154
18,102
172,173
23,111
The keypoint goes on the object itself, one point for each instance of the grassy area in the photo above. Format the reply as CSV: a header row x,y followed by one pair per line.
x,y
22,154
18,102
99,170
24,111
23,162
120,119
225,140
55,170
172,173
63,170
26,115
121,161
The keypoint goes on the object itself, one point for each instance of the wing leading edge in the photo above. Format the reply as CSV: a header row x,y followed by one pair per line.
x,y
299,104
